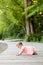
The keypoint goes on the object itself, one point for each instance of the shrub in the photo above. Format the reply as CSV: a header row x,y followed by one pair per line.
x,y
33,37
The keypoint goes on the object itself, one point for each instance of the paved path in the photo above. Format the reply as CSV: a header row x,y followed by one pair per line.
x,y
8,56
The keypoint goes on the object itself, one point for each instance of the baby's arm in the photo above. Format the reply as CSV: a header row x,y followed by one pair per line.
x,y
21,51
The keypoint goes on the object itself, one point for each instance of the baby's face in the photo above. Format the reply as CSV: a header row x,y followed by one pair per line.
x,y
19,46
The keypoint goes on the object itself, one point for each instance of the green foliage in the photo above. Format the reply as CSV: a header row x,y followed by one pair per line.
x,y
33,37
12,20
42,39
38,22
35,7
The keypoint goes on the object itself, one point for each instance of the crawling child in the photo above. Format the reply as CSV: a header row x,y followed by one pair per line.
x,y
28,50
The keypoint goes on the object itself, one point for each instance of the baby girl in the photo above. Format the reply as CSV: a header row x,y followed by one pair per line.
x,y
28,50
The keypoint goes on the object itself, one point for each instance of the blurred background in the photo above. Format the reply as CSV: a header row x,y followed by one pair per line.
x,y
21,19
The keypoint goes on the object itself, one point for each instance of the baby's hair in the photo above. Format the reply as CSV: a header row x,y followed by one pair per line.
x,y
20,43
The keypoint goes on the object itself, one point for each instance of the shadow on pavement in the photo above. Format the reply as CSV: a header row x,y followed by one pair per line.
x,y
3,47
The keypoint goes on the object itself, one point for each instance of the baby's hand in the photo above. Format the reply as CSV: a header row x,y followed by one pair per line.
x,y
17,54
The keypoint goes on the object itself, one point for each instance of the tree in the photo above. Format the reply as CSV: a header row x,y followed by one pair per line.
x,y
32,10
13,21
26,18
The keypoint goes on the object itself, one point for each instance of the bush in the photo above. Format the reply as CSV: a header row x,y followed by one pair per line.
x,y
33,37
42,39
0,36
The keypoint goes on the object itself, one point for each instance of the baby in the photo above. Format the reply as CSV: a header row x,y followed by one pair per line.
x,y
28,50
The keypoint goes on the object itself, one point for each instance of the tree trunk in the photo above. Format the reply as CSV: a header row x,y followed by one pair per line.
x,y
26,18
31,25
31,28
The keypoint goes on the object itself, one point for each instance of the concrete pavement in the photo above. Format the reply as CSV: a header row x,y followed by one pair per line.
x,y
8,55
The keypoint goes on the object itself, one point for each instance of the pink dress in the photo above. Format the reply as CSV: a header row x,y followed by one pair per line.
x,y
29,50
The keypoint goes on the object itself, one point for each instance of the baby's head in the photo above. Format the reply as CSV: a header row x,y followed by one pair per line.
x,y
19,44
